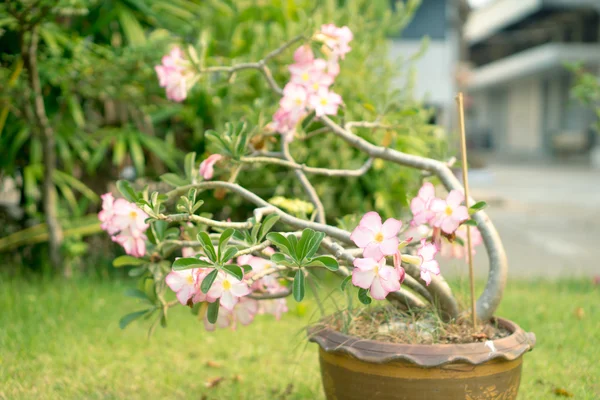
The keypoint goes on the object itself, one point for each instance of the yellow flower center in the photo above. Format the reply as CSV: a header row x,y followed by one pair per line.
x,y
226,285
305,76
190,279
315,86
379,237
133,214
323,102
299,101
448,211
376,270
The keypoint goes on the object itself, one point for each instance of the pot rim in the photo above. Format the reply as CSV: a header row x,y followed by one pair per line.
x,y
426,355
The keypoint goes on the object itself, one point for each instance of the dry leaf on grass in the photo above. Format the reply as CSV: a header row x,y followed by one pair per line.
x,y
579,312
213,364
214,382
562,392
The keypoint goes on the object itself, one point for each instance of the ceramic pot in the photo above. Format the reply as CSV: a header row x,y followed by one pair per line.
x,y
352,368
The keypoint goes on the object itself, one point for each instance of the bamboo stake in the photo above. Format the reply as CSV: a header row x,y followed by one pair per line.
x,y
463,142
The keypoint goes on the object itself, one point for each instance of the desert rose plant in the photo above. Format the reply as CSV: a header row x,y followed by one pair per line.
x,y
230,271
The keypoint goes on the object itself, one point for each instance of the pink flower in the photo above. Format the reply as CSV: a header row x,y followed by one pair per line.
x,y
336,39
325,102
376,239
303,74
455,249
125,222
228,289
243,312
105,216
276,307
127,215
134,243
420,205
183,283
428,265
449,213
304,55
175,75
374,275
398,266
294,99
207,166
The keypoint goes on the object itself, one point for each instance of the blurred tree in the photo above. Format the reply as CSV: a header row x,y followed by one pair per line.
x,y
89,109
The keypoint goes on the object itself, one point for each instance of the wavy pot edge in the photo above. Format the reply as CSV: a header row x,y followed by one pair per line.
x,y
427,356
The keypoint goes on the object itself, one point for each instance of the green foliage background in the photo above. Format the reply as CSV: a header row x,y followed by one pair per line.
x,y
102,97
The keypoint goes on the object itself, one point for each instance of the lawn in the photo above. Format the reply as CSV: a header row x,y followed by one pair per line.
x,y
62,341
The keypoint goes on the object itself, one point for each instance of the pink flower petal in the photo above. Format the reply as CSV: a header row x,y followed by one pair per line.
x,y
365,264
362,279
426,277
460,213
362,236
449,225
455,197
228,301
373,250
391,227
389,246
371,221
378,292
438,205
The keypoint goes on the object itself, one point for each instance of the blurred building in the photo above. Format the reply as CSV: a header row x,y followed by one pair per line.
x,y
435,70
519,84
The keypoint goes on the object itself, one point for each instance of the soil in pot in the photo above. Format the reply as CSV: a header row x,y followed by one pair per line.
x,y
390,325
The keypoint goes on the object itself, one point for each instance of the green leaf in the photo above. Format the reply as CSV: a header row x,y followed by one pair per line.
x,y
136,293
480,205
189,164
223,240
207,246
314,244
127,191
267,224
293,240
213,312
470,222
247,268
137,271
363,296
280,241
190,262
174,180
254,232
129,318
325,261
298,287
302,247
345,282
234,270
159,228
282,259
208,281
229,253
122,261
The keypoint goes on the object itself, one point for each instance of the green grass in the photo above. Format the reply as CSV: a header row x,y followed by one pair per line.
x,y
62,341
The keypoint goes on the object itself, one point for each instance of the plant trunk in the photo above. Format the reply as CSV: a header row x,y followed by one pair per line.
x,y
50,198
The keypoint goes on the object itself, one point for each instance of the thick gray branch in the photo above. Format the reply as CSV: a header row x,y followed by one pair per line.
x,y
492,295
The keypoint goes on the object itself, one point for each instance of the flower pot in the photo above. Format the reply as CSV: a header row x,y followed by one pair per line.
x,y
352,368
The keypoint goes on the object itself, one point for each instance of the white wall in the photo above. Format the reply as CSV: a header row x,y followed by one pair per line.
x,y
524,125
434,70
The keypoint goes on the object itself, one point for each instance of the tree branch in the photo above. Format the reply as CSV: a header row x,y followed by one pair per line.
x,y
308,187
311,170
492,295
50,197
